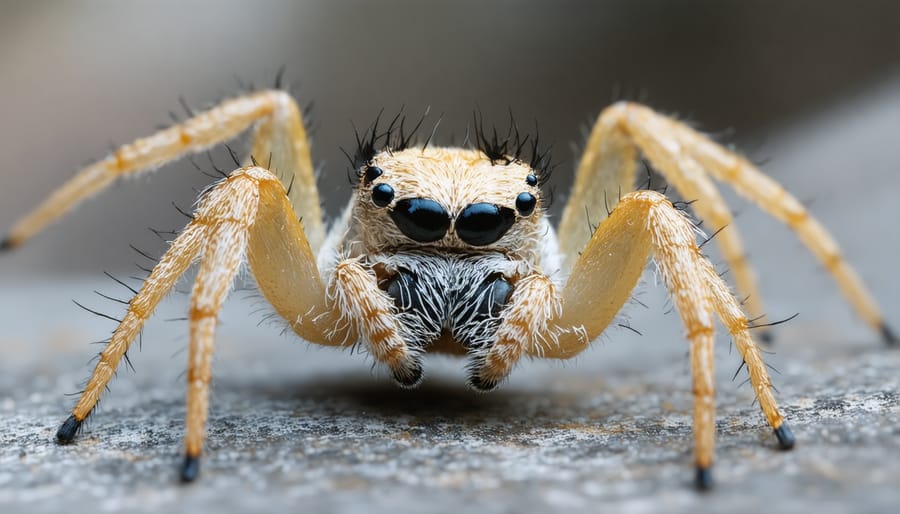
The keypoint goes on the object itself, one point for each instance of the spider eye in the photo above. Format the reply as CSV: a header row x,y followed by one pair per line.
x,y
531,180
421,219
525,203
382,195
481,224
373,172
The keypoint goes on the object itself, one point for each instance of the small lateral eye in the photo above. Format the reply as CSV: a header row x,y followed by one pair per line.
x,y
382,194
531,180
373,172
525,203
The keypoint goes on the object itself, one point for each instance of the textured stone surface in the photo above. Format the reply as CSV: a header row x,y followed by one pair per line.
x,y
293,426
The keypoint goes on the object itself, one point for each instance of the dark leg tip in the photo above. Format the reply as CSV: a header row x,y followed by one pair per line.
x,y
67,431
190,469
410,375
785,437
765,337
479,383
703,480
6,245
890,337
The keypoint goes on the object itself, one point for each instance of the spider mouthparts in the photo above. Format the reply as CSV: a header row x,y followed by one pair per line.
x,y
785,437
703,479
190,469
67,430
890,338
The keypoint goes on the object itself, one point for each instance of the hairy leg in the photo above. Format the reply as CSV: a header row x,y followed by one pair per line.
x,y
172,265
371,313
280,135
533,303
645,223
685,157
247,213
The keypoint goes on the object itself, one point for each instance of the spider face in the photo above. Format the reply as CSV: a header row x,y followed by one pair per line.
x,y
446,198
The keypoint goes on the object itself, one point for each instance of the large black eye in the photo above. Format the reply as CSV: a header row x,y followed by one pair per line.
x,y
421,219
382,195
481,224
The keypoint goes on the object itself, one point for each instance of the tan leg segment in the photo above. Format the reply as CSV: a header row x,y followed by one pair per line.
x,y
370,312
248,210
684,269
605,172
284,267
614,146
533,304
221,123
734,319
280,144
172,265
602,280
657,134
227,213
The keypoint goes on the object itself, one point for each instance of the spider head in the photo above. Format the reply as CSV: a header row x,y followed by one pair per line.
x,y
447,198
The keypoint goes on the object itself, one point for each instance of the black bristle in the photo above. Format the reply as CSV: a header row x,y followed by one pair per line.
x,y
186,107
121,283
234,156
183,212
279,76
98,313
371,142
511,147
499,147
773,323
68,430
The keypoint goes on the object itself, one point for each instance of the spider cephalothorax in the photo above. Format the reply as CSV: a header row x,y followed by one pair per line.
x,y
448,250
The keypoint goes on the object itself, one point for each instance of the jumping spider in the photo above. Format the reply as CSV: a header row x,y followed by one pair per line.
x,y
449,249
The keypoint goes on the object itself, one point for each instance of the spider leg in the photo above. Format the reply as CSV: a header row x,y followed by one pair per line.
x,y
684,156
606,171
248,212
280,134
533,304
771,197
172,265
371,313
645,223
